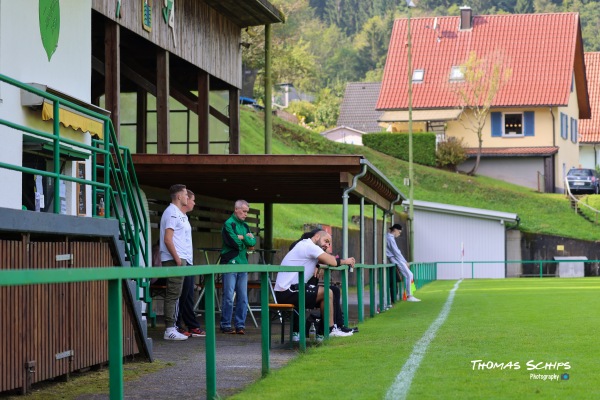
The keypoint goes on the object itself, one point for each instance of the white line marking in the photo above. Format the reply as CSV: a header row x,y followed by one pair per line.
x,y
401,385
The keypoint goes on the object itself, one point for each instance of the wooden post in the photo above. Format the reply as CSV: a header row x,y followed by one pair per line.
x,y
203,112
112,73
162,102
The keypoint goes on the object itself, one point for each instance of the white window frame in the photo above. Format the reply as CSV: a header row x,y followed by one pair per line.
x,y
457,73
418,75
514,134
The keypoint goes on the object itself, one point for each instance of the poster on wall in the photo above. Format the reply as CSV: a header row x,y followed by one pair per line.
x,y
81,195
49,14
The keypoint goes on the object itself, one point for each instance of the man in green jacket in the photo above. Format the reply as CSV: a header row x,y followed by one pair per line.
x,y
237,238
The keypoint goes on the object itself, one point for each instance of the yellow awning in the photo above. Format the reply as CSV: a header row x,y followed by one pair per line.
x,y
74,120
420,115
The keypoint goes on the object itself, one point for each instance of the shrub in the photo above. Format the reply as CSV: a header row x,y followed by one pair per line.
x,y
451,153
396,145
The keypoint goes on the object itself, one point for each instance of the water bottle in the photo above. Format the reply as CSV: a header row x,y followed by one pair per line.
x,y
101,208
312,333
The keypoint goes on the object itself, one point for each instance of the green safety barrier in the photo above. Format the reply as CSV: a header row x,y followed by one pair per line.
x,y
115,277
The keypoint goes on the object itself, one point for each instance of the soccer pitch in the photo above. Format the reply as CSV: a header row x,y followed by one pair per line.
x,y
473,339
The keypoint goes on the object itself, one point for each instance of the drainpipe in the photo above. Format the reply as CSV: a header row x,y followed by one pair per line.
x,y
345,197
554,163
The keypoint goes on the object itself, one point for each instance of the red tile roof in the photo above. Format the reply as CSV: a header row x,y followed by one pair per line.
x,y
542,50
513,151
589,129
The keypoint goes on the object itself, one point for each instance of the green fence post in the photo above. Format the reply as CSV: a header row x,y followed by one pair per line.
x,y
372,292
325,317
264,321
394,284
345,295
302,310
115,338
211,343
472,270
359,293
541,269
381,289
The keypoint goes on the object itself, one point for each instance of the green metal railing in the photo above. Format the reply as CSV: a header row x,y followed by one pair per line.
x,y
113,177
115,277
470,265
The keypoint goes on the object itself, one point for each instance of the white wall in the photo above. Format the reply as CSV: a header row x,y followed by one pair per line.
x,y
588,156
347,136
23,58
438,237
518,170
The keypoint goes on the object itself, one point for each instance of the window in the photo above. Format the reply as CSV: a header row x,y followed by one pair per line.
x,y
418,75
513,124
564,128
457,73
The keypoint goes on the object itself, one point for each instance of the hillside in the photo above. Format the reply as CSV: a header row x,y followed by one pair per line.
x,y
539,212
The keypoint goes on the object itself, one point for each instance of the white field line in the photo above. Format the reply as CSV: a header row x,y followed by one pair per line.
x,y
401,385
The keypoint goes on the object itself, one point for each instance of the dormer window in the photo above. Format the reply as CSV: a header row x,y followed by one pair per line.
x,y
457,73
418,75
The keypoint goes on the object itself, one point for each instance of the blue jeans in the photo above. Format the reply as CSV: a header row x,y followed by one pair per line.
x,y
237,281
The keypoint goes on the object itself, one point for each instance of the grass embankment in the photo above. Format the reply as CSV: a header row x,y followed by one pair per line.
x,y
518,325
544,213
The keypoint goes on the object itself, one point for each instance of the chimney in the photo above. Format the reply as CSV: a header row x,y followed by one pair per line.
x,y
466,18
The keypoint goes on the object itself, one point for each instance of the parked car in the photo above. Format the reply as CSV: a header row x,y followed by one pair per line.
x,y
583,180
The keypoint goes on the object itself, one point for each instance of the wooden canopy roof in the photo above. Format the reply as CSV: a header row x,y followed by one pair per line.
x,y
289,179
249,12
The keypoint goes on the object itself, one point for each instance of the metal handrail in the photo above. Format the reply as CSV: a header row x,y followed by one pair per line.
x,y
115,277
132,221
579,202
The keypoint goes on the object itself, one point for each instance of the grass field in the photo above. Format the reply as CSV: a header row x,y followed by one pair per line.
x,y
522,330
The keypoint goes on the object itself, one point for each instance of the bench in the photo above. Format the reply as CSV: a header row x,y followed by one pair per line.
x,y
281,311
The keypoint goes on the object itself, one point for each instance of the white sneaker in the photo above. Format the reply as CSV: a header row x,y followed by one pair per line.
x,y
295,337
412,298
172,334
336,332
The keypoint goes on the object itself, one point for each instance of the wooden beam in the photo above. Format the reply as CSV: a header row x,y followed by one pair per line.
x,y
203,112
162,101
141,120
234,121
219,115
112,73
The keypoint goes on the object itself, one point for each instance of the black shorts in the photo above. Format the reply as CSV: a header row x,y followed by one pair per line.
x,y
290,296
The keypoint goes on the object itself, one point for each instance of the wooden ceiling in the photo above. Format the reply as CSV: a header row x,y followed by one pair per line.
x,y
285,179
248,12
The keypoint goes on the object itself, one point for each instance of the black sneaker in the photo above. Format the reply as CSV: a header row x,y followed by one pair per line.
x,y
345,329
355,329
227,330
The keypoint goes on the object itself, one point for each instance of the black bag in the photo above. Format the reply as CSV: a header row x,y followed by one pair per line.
x,y
314,319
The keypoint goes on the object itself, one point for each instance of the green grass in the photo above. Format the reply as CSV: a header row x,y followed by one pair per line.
x,y
509,320
543,213
88,383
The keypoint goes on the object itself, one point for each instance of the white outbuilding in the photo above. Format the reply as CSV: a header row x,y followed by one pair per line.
x,y
466,242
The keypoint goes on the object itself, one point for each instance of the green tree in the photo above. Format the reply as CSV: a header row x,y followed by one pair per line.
x,y
524,7
483,78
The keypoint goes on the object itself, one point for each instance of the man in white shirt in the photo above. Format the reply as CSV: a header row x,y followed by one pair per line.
x,y
309,253
175,250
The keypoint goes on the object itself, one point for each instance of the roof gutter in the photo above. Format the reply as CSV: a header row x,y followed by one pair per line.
x,y
366,166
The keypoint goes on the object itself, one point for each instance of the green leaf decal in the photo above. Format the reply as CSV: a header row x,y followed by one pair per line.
x,y
49,11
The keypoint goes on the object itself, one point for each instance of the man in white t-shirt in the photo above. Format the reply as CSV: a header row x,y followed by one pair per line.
x,y
175,250
309,253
